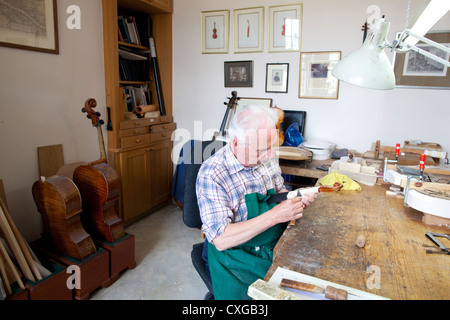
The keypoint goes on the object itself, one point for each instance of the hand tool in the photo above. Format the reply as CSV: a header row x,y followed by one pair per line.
x,y
330,292
432,236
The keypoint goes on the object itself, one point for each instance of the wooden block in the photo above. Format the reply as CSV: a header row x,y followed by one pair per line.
x,y
350,167
435,220
52,287
50,159
94,270
121,255
2,193
18,294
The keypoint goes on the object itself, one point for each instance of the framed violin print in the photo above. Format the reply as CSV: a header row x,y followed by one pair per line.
x,y
29,25
285,28
215,31
249,30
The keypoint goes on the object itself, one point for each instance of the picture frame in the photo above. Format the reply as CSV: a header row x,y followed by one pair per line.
x,y
285,28
316,80
277,77
38,32
249,30
238,74
258,101
215,31
413,70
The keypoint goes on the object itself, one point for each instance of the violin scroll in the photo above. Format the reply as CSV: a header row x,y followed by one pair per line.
x,y
88,108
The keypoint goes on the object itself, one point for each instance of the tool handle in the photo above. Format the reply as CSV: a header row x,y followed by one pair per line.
x,y
301,286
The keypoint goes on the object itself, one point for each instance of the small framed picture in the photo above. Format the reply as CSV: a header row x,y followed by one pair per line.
x,y
249,30
267,102
215,31
277,76
316,80
238,74
29,25
285,28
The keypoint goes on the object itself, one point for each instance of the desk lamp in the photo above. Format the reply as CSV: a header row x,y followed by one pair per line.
x,y
370,67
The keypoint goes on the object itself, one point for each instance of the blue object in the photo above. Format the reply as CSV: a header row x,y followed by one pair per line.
x,y
292,136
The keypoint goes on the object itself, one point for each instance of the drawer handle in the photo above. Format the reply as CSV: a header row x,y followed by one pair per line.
x,y
136,124
136,131
138,140
163,135
150,149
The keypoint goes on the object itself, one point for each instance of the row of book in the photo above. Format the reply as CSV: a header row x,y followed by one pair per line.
x,y
134,70
135,29
135,96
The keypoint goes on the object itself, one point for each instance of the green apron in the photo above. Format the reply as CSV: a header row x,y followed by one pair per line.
x,y
235,269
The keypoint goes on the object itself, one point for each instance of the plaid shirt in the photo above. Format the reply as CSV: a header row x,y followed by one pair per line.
x,y
222,184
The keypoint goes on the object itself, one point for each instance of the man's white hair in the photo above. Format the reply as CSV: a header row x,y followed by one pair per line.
x,y
251,118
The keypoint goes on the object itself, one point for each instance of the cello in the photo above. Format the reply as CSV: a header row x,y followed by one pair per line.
x,y
58,200
99,186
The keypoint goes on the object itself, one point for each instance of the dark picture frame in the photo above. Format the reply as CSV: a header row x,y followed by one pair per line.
x,y
238,74
277,77
39,32
404,79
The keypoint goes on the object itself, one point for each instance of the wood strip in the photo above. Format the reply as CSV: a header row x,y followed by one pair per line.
x,y
14,246
22,244
4,277
10,265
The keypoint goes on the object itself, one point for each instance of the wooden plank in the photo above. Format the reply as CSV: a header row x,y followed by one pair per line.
x,y
22,244
10,267
4,276
322,244
50,159
2,193
14,246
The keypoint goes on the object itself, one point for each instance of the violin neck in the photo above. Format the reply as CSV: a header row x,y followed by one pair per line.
x,y
101,144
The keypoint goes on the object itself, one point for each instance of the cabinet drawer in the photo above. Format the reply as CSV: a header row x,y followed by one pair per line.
x,y
134,141
133,132
159,136
129,124
161,119
163,127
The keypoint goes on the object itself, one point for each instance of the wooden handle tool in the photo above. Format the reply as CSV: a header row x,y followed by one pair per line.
x,y
330,292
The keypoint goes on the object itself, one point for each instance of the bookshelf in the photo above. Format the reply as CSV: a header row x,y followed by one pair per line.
x,y
139,148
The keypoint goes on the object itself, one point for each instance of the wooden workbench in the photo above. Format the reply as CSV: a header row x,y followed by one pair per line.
x,y
304,168
322,244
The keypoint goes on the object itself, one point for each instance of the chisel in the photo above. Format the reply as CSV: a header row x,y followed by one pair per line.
x,y
330,292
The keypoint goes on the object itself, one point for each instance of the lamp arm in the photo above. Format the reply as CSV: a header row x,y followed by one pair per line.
x,y
402,46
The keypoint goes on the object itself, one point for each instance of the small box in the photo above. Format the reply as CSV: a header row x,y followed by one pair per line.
x,y
121,255
52,287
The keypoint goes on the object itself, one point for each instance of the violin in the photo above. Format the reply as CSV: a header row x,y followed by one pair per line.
x,y
280,114
214,36
99,185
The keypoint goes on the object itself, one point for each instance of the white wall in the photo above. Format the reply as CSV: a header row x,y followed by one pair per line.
x,y
41,99
358,118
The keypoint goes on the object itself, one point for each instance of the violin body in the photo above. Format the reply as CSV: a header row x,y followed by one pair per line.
x,y
99,186
59,202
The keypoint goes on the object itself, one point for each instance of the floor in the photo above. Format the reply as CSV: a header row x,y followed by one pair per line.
x,y
164,269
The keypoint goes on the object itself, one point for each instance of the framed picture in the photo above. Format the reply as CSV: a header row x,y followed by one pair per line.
x,y
316,80
238,74
285,28
259,101
249,30
215,31
277,76
414,70
30,25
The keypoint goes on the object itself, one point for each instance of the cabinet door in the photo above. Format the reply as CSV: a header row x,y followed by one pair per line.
x,y
160,169
134,172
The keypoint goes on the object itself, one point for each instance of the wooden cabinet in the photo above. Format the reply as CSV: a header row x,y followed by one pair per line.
x,y
139,149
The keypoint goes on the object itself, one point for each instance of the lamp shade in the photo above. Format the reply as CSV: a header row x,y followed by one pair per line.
x,y
368,66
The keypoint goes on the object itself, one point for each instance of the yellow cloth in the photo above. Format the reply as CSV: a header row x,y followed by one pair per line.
x,y
347,183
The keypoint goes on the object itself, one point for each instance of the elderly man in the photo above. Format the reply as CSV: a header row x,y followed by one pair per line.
x,y
232,186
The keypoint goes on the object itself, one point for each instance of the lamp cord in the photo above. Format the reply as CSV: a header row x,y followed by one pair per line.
x,y
408,9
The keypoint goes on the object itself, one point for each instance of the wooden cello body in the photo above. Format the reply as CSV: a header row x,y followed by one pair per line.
x,y
99,185
59,202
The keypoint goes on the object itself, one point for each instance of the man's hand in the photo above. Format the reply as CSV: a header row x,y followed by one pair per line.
x,y
292,209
